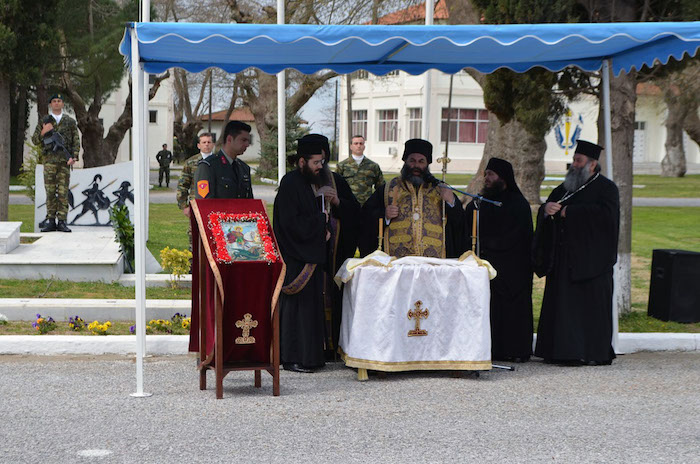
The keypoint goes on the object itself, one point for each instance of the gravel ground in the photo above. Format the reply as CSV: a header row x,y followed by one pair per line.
x,y
642,409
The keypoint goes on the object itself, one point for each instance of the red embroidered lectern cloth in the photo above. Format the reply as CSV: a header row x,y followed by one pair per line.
x,y
243,260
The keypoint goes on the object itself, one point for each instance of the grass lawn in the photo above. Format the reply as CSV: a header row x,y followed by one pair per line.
x,y
653,227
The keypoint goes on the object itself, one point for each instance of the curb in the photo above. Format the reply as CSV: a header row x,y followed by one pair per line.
x,y
177,344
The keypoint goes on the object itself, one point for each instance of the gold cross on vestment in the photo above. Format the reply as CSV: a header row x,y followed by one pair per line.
x,y
417,314
246,324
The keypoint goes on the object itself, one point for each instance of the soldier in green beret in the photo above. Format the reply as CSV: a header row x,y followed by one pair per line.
x,y
57,135
164,158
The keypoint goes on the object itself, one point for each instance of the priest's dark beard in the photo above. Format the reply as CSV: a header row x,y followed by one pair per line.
x,y
321,178
576,177
407,175
495,191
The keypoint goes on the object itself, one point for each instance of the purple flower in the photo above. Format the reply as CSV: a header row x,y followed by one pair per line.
x,y
132,329
38,316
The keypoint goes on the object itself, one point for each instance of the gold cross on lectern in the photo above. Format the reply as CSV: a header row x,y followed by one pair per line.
x,y
417,314
246,324
444,160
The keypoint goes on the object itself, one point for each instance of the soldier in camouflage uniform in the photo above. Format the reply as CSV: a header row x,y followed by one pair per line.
x,y
57,161
185,192
362,174
164,158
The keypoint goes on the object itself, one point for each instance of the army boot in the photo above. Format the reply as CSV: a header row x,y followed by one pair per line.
x,y
50,225
62,227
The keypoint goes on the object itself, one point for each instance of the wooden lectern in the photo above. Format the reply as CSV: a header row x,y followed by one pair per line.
x,y
237,275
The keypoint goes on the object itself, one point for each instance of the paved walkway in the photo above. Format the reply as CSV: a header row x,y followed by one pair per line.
x,y
643,409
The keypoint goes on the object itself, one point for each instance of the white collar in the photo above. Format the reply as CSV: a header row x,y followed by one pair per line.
x,y
206,155
358,159
57,117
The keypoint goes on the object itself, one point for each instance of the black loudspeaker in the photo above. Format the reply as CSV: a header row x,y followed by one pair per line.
x,y
674,293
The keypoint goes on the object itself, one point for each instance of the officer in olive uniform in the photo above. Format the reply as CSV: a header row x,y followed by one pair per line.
x,y
164,158
185,190
223,175
57,135
362,174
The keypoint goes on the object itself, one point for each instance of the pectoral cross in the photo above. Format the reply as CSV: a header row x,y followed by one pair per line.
x,y
246,324
417,314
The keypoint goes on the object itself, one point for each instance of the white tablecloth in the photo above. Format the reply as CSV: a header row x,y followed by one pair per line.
x,y
375,323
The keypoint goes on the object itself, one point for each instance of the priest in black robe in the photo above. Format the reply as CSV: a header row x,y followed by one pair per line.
x,y
505,240
306,216
419,216
576,248
344,225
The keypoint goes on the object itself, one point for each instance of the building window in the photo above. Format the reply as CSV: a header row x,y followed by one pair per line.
x,y
359,123
466,125
361,74
388,125
151,79
393,73
213,137
153,116
415,120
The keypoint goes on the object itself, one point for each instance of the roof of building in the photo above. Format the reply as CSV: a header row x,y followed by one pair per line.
x,y
414,14
238,114
647,88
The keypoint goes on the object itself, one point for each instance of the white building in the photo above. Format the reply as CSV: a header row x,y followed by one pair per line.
x,y
387,110
252,153
160,125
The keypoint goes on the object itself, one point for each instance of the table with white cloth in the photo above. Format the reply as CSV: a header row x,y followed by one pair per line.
x,y
415,313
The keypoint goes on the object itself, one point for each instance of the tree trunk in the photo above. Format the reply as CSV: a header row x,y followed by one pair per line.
x,y
623,98
673,164
692,123
19,114
5,136
524,151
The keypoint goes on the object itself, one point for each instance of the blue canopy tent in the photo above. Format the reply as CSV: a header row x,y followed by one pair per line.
x,y
156,47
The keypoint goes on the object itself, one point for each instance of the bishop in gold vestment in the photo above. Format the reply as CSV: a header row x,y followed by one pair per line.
x,y
411,207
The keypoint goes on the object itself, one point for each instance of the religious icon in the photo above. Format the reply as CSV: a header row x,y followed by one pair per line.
x,y
243,241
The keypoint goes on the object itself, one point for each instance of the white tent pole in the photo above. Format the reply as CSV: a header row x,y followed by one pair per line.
x,y
145,17
139,236
427,83
281,113
609,173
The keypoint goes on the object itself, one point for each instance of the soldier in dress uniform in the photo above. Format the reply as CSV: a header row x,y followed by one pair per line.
x,y
57,134
164,158
223,175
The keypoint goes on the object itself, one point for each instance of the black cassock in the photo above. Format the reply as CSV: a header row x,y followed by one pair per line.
x,y
374,208
506,240
577,254
300,229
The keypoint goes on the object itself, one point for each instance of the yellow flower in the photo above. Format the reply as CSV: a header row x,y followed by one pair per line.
x,y
40,320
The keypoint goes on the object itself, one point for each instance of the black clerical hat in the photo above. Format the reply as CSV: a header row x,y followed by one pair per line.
x,y
418,146
307,146
505,171
589,149
323,140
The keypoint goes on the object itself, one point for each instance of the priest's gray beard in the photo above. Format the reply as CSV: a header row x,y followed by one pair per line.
x,y
407,175
576,177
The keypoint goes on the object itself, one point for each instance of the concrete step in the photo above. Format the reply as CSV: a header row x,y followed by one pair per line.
x,y
156,280
177,344
61,309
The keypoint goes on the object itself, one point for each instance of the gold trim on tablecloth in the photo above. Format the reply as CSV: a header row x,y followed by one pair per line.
x,y
401,366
